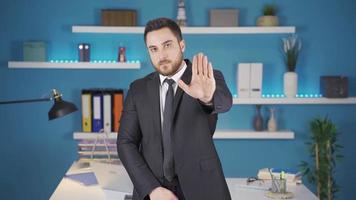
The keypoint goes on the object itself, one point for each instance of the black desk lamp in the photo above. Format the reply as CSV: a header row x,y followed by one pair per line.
x,y
60,107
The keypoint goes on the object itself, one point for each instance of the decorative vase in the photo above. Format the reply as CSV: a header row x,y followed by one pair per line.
x,y
258,120
290,84
272,124
267,20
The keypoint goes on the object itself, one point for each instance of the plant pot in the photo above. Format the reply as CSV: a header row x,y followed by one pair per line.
x,y
267,20
290,84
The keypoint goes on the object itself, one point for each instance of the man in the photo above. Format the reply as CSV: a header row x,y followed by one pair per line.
x,y
169,118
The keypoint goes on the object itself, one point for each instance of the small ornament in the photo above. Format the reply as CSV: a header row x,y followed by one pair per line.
x,y
181,16
84,52
122,54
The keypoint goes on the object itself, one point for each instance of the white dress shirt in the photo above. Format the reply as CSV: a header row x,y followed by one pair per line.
x,y
163,88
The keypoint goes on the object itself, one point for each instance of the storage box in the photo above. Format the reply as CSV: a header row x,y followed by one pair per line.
x,y
118,17
34,51
334,86
84,52
224,17
256,77
243,80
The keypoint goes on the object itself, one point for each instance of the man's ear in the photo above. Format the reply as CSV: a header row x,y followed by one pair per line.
x,y
182,45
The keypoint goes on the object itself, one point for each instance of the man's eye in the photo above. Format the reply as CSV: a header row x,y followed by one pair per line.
x,y
168,45
153,49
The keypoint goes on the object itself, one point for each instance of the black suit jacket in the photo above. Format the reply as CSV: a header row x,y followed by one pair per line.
x,y
196,161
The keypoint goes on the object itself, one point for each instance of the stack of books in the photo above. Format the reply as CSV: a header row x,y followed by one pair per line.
x,y
291,175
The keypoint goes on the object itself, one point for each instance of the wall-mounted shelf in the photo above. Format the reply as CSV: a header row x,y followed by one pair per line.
x,y
219,134
263,101
249,134
92,136
73,65
188,30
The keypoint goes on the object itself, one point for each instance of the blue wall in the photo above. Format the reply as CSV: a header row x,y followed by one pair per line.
x,y
36,153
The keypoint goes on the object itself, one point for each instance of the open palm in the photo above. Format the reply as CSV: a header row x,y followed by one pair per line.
x,y
202,85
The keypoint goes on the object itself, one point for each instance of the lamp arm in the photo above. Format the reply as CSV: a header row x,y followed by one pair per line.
x,y
26,101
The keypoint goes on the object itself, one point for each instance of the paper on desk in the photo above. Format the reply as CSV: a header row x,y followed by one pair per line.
x,y
254,186
79,167
84,178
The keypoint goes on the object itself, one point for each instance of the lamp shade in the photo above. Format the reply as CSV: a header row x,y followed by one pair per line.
x,y
61,108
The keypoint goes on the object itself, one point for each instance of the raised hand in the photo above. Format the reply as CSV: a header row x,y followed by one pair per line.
x,y
161,193
202,85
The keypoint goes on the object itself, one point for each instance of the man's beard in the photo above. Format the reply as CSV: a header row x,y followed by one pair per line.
x,y
175,66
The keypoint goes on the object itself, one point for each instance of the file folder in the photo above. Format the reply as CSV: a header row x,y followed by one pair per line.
x,y
243,80
97,111
86,111
107,112
118,104
256,80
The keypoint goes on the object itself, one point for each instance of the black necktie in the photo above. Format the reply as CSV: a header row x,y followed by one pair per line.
x,y
168,162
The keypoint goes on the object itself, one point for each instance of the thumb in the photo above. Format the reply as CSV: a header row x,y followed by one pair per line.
x,y
183,86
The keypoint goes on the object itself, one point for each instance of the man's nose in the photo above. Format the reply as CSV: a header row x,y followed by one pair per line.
x,y
163,55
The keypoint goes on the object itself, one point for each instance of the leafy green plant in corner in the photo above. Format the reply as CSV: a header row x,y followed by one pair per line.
x,y
269,10
291,47
325,152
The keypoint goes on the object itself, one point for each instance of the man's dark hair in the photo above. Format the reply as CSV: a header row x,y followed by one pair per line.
x,y
159,23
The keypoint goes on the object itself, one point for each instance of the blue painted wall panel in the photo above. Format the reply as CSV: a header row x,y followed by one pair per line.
x,y
36,153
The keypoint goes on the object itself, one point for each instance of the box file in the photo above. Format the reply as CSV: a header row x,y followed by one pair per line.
x,y
256,75
243,80
86,111
107,112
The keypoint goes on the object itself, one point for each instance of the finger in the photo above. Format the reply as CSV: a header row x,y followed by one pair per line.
x,y
183,86
211,71
200,62
194,66
205,66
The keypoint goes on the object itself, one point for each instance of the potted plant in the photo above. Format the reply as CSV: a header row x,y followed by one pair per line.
x,y
324,150
291,47
269,17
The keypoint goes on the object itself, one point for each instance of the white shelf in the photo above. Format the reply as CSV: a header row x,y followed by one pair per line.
x,y
188,30
72,65
249,134
97,145
92,136
97,153
262,101
219,134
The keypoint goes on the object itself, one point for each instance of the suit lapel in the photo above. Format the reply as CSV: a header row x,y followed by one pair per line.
x,y
154,102
186,78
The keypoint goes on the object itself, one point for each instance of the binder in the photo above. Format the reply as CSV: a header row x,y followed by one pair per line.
x,y
86,111
97,111
107,113
243,80
256,75
118,104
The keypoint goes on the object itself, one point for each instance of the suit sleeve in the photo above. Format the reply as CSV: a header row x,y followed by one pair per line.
x,y
222,101
222,98
128,144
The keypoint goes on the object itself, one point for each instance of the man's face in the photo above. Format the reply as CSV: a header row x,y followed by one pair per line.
x,y
165,50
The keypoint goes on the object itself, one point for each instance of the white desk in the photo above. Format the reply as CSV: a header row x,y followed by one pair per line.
x,y
69,189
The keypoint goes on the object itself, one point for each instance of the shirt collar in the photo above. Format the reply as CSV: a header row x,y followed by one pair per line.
x,y
176,77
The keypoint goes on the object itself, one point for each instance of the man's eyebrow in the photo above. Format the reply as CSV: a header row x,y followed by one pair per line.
x,y
163,43
168,41
151,46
